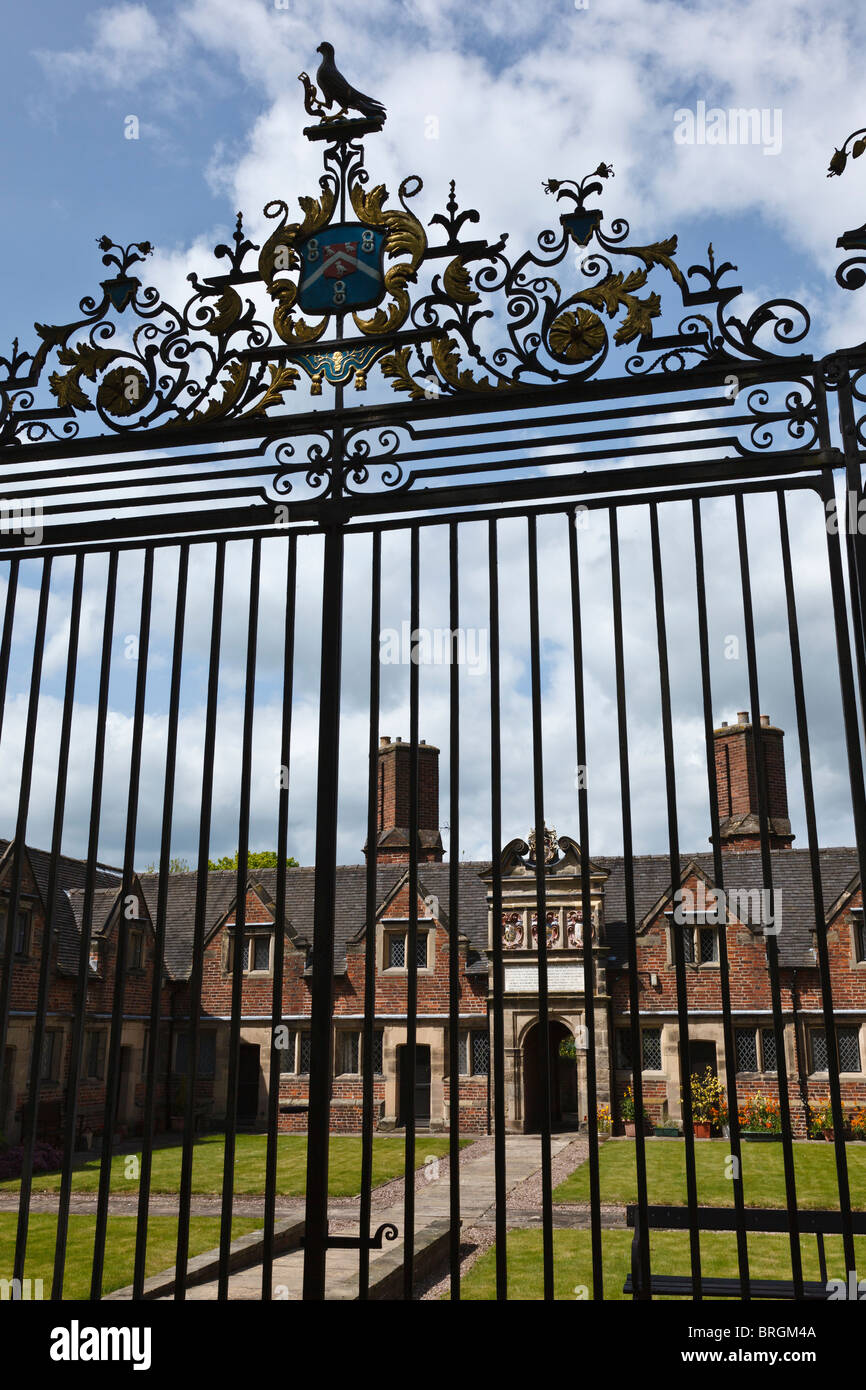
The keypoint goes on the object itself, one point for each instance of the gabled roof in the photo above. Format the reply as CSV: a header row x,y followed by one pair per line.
x,y
351,892
792,877
71,874
652,884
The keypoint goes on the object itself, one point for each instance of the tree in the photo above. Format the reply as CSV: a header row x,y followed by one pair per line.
x,y
256,859
176,865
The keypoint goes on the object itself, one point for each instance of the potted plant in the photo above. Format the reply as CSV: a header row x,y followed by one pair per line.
x,y
707,1097
719,1119
857,1124
628,1112
760,1119
822,1121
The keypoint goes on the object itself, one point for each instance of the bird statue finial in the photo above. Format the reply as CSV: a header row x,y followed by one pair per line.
x,y
333,87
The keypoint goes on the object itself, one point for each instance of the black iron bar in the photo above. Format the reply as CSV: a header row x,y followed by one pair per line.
x,y
817,894
846,687
591,944
159,926
18,848
129,907
410,1053
854,541
630,914
273,1139
719,882
676,886
239,929
6,641
371,904
200,921
772,945
35,1081
319,1111
77,1049
497,980
454,919
541,916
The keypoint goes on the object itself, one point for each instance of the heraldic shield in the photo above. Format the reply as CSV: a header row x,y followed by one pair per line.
x,y
341,269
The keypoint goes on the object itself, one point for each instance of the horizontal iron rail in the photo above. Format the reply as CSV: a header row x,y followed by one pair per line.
x,y
585,488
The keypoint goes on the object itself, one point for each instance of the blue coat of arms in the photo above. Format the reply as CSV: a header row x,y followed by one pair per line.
x,y
341,269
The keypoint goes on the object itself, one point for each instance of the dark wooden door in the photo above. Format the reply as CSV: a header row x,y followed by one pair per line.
x,y
419,1085
249,1070
703,1055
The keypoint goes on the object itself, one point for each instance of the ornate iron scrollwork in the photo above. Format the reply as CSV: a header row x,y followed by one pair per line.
x,y
356,281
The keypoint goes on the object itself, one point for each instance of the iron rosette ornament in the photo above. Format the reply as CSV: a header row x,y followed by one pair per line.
x,y
558,336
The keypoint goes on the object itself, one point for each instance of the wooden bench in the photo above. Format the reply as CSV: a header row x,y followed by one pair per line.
x,y
817,1223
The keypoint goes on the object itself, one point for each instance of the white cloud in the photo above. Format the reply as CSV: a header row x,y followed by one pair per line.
x,y
520,93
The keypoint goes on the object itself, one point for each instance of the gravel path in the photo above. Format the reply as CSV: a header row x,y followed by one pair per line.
x,y
527,1194
475,1241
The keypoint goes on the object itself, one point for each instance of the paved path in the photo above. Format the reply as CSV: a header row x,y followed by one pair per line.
x,y
477,1206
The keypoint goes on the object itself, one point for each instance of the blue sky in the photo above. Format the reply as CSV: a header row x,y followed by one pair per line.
x,y
517,94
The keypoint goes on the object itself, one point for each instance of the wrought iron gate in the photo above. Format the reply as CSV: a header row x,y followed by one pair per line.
x,y
509,438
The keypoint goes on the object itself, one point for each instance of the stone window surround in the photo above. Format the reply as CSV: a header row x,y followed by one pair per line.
x,y
99,1073
251,929
858,939
296,1032
392,926
758,1029
135,967
470,1072
25,910
695,920
811,1029
644,1028
182,1070
57,1055
338,1032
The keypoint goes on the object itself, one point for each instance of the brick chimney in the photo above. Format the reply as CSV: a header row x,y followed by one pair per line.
x,y
392,839
737,783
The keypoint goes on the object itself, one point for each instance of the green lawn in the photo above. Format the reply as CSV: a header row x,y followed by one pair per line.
x,y
763,1177
207,1173
769,1257
204,1233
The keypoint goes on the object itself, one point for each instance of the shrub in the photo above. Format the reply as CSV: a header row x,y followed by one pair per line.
x,y
708,1098
46,1159
822,1118
627,1107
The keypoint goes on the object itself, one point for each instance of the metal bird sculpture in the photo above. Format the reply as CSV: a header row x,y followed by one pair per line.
x,y
334,88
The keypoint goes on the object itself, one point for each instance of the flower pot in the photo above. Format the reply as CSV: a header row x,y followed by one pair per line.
x,y
701,1129
829,1135
630,1129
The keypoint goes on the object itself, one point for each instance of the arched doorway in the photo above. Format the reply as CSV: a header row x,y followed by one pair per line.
x,y
563,1079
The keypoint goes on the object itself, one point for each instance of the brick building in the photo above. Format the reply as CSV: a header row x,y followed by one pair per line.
x,y
744,917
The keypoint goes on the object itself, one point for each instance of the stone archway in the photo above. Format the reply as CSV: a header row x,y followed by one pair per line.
x,y
564,1110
